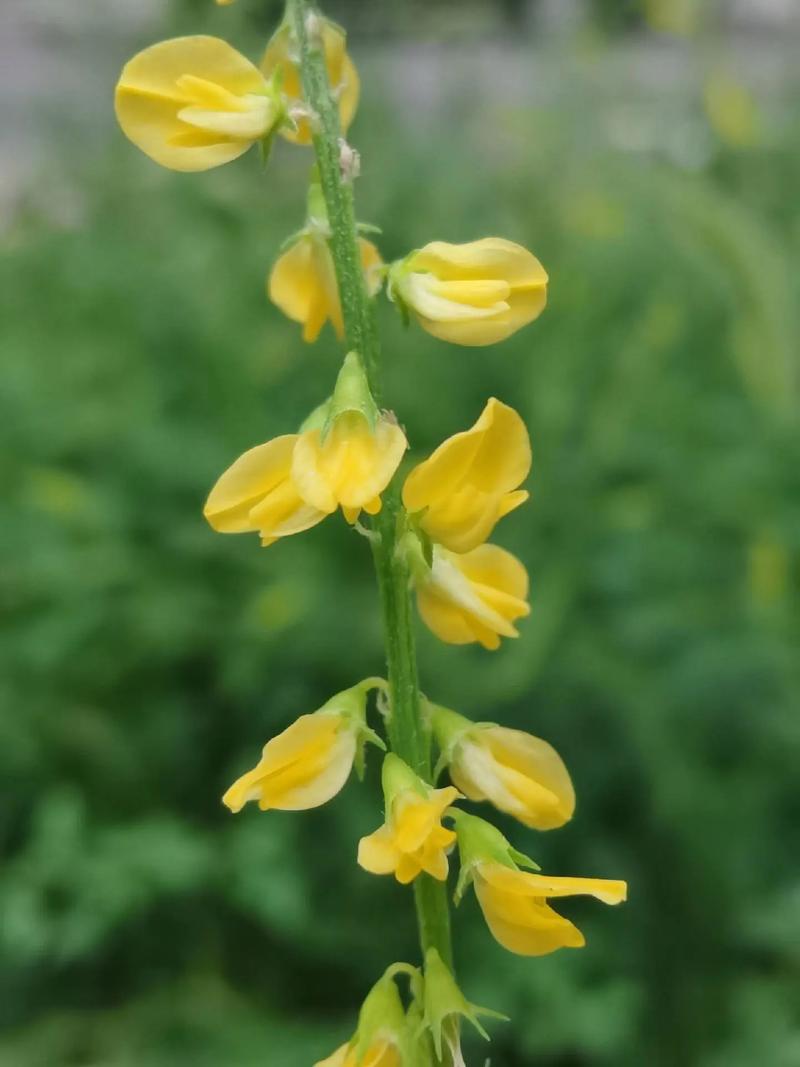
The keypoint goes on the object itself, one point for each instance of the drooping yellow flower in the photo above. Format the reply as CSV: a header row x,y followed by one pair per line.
x,y
514,902
303,283
476,596
192,103
515,906
281,58
471,294
309,762
470,481
519,773
412,839
293,482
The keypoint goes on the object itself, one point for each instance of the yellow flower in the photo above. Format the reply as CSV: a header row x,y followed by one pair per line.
x,y
519,773
281,58
381,1053
471,294
471,480
514,902
515,906
192,103
412,839
476,596
303,283
309,762
293,482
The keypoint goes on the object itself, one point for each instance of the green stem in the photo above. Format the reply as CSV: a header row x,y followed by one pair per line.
x,y
408,735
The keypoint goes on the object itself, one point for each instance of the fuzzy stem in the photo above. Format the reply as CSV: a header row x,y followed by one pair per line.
x,y
408,734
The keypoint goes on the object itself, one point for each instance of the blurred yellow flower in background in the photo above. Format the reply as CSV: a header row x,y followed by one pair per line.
x,y
470,481
412,839
281,58
471,294
192,103
475,596
303,284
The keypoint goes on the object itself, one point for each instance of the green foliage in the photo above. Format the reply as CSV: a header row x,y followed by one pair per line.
x,y
145,660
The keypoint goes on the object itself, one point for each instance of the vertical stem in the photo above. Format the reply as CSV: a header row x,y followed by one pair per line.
x,y
408,735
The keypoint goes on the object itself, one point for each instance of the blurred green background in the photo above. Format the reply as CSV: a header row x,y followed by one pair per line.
x,y
649,155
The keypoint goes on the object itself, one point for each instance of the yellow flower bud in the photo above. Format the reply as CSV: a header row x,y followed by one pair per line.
x,y
303,283
476,596
471,480
192,103
281,58
514,902
514,905
412,839
471,294
291,483
382,1038
309,762
519,773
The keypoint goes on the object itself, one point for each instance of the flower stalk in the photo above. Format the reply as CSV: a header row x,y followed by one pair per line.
x,y
409,736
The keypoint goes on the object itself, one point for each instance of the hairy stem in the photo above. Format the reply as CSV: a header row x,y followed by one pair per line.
x,y
408,734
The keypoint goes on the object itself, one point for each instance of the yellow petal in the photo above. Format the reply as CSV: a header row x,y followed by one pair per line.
x,y
476,293
301,768
353,464
342,76
339,1057
151,95
467,484
530,766
300,284
377,853
475,596
246,482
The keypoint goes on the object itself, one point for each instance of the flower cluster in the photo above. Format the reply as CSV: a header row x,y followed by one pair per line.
x,y
193,103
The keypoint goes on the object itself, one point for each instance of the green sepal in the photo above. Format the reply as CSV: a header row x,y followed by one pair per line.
x,y
397,777
445,1003
381,1012
318,417
351,394
480,842
417,548
368,227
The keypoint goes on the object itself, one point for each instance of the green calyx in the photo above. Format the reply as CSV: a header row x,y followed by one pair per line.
x,y
445,1004
351,395
397,777
449,728
480,842
382,1015
351,705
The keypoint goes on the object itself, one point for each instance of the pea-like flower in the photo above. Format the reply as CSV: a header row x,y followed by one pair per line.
x,y
471,481
192,103
345,458
309,763
281,59
383,1037
412,839
515,902
471,294
520,774
303,283
474,596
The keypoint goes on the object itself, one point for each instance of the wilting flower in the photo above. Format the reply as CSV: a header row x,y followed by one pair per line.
x,y
412,839
476,596
192,103
470,482
382,1037
293,482
514,902
281,59
311,760
471,294
519,773
303,283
